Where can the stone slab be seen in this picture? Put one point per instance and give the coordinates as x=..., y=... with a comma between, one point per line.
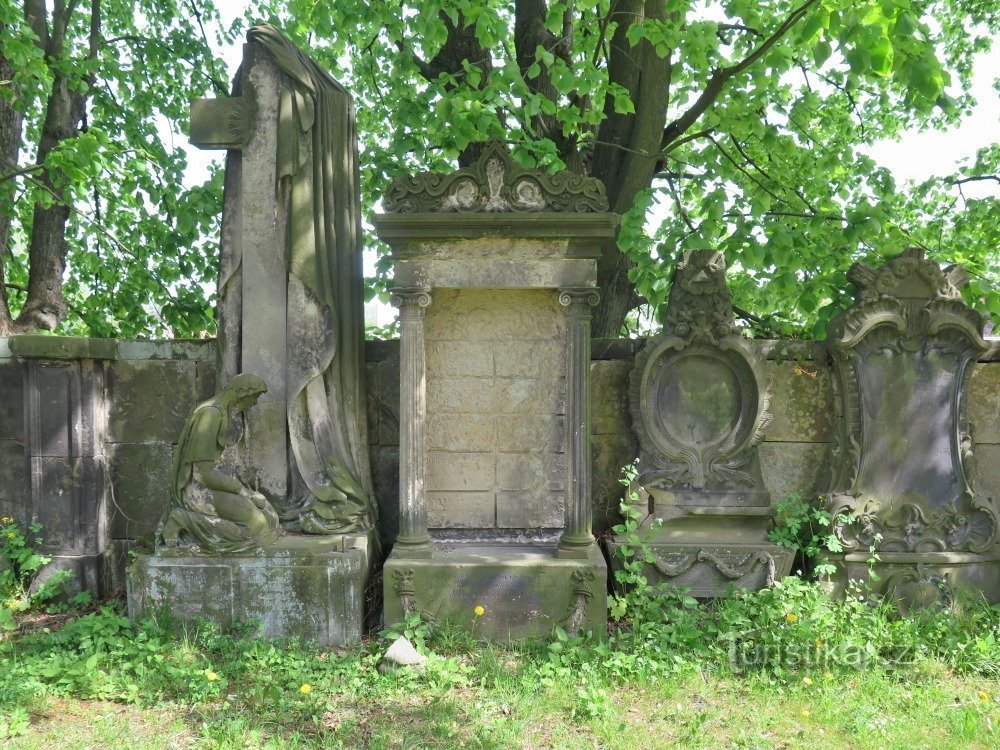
x=530, y=509
x=140, y=480
x=801, y=403
x=15, y=498
x=524, y=590
x=385, y=475
x=462, y=472
x=609, y=388
x=37, y=346
x=11, y=400
x=609, y=453
x=461, y=510
x=150, y=400
x=500, y=273
x=494, y=315
x=314, y=590
x=793, y=467
x=470, y=433
x=521, y=433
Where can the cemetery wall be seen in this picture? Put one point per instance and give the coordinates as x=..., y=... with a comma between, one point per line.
x=88, y=426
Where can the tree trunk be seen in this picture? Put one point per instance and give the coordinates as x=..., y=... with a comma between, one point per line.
x=11, y=122
x=64, y=114
x=628, y=149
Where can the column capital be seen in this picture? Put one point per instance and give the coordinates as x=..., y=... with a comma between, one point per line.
x=410, y=298
x=579, y=297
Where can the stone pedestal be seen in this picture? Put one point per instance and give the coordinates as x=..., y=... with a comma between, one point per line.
x=305, y=587
x=496, y=269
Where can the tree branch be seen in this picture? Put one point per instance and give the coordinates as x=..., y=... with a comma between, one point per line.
x=721, y=76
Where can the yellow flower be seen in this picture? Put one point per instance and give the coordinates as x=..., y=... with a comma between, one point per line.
x=819, y=643
x=828, y=675
x=805, y=712
x=211, y=676
x=306, y=688
x=791, y=617
x=479, y=610
x=807, y=680
x=11, y=534
x=7, y=519
x=983, y=695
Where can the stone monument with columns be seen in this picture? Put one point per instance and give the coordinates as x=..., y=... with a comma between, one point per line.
x=495, y=273
x=290, y=313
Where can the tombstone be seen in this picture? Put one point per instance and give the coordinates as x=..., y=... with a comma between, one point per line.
x=699, y=407
x=291, y=313
x=495, y=272
x=902, y=464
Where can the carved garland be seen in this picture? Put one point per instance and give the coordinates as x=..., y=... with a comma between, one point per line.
x=731, y=566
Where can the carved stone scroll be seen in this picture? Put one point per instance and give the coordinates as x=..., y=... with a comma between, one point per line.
x=495, y=184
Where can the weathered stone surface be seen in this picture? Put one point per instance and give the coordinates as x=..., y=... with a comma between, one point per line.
x=15, y=498
x=793, y=467
x=205, y=380
x=460, y=359
x=529, y=396
x=402, y=654
x=150, y=400
x=461, y=395
x=387, y=389
x=530, y=509
x=801, y=403
x=531, y=471
x=609, y=401
x=460, y=471
x=35, y=346
x=460, y=432
x=543, y=359
x=984, y=403
x=140, y=483
x=988, y=466
x=491, y=314
x=69, y=500
x=519, y=433
x=461, y=510
x=524, y=591
x=314, y=591
x=11, y=400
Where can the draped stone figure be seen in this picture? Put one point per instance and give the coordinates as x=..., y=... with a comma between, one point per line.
x=320, y=482
x=210, y=509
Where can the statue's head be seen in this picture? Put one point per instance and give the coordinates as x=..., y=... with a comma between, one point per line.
x=243, y=390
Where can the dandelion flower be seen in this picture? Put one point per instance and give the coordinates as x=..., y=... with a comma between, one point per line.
x=211, y=676
x=805, y=712
x=791, y=617
x=479, y=610
x=306, y=688
x=828, y=675
x=819, y=643
x=807, y=680
x=983, y=695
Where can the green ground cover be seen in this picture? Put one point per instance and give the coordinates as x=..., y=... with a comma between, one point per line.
x=784, y=667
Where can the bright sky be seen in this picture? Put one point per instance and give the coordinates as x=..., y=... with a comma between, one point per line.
x=915, y=156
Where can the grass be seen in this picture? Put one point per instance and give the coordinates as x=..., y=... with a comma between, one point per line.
x=98, y=681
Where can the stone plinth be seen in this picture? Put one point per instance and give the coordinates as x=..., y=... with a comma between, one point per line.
x=525, y=590
x=495, y=493
x=307, y=587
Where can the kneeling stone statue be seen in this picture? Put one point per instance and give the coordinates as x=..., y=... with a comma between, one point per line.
x=210, y=510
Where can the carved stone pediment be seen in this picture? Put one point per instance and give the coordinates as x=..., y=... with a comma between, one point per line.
x=699, y=396
x=495, y=184
x=902, y=461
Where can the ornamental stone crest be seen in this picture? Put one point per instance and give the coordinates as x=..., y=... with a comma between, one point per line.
x=902, y=462
x=495, y=184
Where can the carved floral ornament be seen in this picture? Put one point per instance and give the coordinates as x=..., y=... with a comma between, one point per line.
x=495, y=184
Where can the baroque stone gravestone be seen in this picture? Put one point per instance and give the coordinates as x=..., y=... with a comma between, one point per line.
x=290, y=312
x=902, y=468
x=699, y=408
x=495, y=272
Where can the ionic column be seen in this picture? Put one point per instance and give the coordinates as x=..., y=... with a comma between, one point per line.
x=577, y=535
x=413, y=539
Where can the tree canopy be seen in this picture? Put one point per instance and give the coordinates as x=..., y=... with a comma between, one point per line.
x=736, y=125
